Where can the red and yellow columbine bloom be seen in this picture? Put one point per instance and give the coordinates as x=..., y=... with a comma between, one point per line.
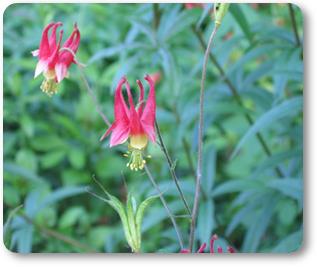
x=54, y=59
x=134, y=123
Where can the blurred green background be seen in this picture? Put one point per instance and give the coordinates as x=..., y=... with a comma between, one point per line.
x=253, y=201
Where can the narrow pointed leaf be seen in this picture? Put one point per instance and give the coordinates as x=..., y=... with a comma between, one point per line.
x=287, y=108
x=141, y=210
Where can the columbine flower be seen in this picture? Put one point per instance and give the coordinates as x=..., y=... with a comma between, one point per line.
x=135, y=123
x=55, y=60
x=212, y=249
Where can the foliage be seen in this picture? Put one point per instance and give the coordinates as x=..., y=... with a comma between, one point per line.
x=251, y=198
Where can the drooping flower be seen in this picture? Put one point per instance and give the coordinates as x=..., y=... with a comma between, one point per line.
x=134, y=123
x=55, y=60
x=212, y=249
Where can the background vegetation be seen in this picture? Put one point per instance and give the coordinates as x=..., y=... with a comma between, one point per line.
x=252, y=197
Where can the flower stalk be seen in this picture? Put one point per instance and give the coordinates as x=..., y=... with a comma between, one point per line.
x=171, y=167
x=219, y=16
x=235, y=95
x=171, y=216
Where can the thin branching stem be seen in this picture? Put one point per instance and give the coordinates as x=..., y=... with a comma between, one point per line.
x=171, y=216
x=236, y=96
x=57, y=235
x=200, y=141
x=87, y=86
x=171, y=167
x=92, y=95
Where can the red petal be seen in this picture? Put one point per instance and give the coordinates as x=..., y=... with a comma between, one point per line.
x=54, y=57
x=120, y=107
x=72, y=43
x=120, y=134
x=52, y=39
x=110, y=129
x=120, y=128
x=141, y=98
x=202, y=248
x=130, y=98
x=212, y=241
x=135, y=125
x=61, y=71
x=231, y=250
x=40, y=67
x=44, y=50
x=148, y=115
x=185, y=251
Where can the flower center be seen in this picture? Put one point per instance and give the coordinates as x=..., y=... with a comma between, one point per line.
x=49, y=85
x=136, y=161
x=138, y=141
x=136, y=152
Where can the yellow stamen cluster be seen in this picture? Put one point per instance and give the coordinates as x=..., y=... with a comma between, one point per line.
x=49, y=85
x=136, y=161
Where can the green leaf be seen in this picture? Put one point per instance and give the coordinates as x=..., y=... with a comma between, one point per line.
x=292, y=187
x=24, y=238
x=52, y=159
x=274, y=160
x=236, y=186
x=259, y=224
x=141, y=210
x=252, y=54
x=46, y=143
x=206, y=221
x=174, y=22
x=285, y=109
x=97, y=236
x=119, y=208
x=241, y=19
x=287, y=211
x=135, y=236
x=249, y=206
x=27, y=159
x=71, y=216
x=77, y=158
x=22, y=172
x=61, y=194
x=209, y=171
x=291, y=243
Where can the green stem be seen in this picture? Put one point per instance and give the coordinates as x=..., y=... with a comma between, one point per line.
x=92, y=95
x=57, y=235
x=178, y=233
x=87, y=86
x=236, y=96
x=171, y=167
x=200, y=141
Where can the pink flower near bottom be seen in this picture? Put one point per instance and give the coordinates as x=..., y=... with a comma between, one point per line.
x=212, y=248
